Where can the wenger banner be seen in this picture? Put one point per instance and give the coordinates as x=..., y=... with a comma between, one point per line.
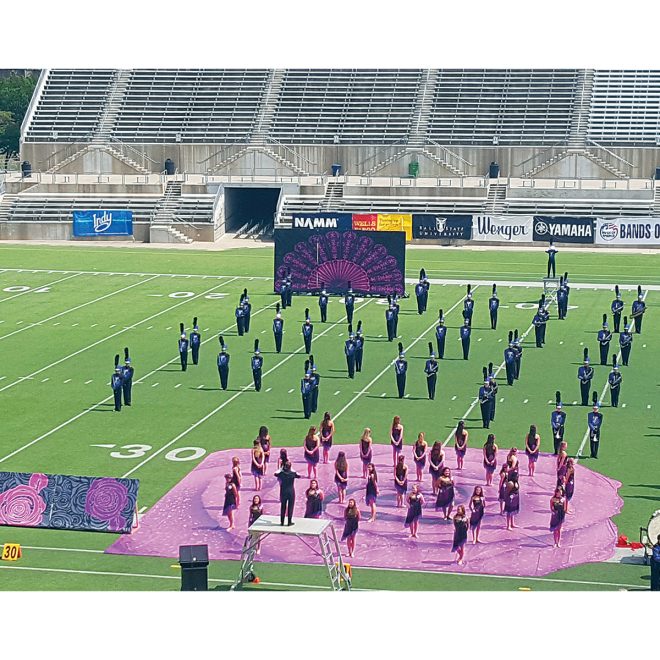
x=510, y=229
x=628, y=231
x=563, y=229
x=57, y=501
x=442, y=226
x=103, y=223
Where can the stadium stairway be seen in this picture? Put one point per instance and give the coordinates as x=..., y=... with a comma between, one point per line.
x=333, y=191
x=112, y=106
x=175, y=236
x=422, y=110
x=496, y=198
x=581, y=109
x=264, y=119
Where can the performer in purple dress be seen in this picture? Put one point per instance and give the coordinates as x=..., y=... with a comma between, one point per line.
x=460, y=444
x=419, y=455
x=400, y=480
x=490, y=458
x=366, y=452
x=501, y=488
x=341, y=476
x=265, y=441
x=236, y=477
x=396, y=439
x=569, y=482
x=312, y=447
x=445, y=500
x=352, y=518
x=477, y=508
x=282, y=458
x=415, y=504
x=532, y=448
x=512, y=503
x=460, y=533
x=562, y=458
x=314, y=500
x=436, y=464
x=372, y=490
x=513, y=464
x=256, y=511
x=257, y=464
x=558, y=507
x=327, y=433
x=231, y=496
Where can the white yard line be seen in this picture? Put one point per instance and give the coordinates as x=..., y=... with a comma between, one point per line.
x=73, y=309
x=108, y=398
x=107, y=272
x=243, y=389
x=119, y=332
x=389, y=366
x=602, y=394
x=550, y=300
x=41, y=286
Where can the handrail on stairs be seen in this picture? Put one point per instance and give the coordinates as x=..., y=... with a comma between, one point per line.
x=561, y=143
x=295, y=154
x=611, y=153
x=449, y=151
x=377, y=154
x=111, y=139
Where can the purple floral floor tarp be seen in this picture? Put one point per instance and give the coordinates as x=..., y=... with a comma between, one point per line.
x=191, y=513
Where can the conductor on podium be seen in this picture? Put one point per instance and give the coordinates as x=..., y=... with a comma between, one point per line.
x=287, y=478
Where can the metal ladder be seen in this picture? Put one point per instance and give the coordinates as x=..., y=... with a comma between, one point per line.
x=247, y=560
x=336, y=568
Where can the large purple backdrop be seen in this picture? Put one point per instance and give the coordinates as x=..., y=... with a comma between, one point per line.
x=98, y=504
x=374, y=262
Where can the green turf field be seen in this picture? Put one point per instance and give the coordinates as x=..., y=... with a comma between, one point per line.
x=66, y=311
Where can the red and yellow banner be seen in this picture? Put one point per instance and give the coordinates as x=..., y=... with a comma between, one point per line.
x=365, y=221
x=395, y=222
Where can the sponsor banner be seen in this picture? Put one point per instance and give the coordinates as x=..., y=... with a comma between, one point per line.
x=374, y=262
x=510, y=229
x=628, y=231
x=395, y=222
x=442, y=226
x=365, y=221
x=341, y=221
x=563, y=229
x=103, y=223
x=58, y=501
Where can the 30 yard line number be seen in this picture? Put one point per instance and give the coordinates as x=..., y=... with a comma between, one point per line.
x=138, y=450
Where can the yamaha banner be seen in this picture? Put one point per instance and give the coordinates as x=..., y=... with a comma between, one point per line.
x=563, y=229
x=340, y=221
x=103, y=223
x=442, y=226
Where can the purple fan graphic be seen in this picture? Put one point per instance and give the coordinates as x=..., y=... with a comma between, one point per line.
x=334, y=259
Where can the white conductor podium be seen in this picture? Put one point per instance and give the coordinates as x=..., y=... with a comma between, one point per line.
x=305, y=529
x=550, y=284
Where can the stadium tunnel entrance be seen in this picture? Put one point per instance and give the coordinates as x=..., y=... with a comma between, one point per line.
x=250, y=212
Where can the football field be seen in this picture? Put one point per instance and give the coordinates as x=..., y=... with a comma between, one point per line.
x=66, y=311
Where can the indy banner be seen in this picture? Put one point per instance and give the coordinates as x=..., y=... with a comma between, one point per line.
x=427, y=226
x=628, y=231
x=103, y=223
x=341, y=221
x=58, y=501
x=563, y=229
x=507, y=229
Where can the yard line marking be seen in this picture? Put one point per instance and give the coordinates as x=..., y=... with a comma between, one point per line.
x=43, y=436
x=602, y=394
x=73, y=309
x=142, y=509
x=45, y=379
x=217, y=409
x=549, y=301
x=87, y=382
x=389, y=365
x=22, y=293
x=172, y=275
x=68, y=380
x=119, y=332
x=3, y=377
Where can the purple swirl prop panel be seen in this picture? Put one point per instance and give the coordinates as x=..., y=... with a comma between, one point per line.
x=58, y=501
x=374, y=262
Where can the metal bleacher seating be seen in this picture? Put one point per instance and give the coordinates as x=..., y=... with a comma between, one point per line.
x=359, y=106
x=190, y=105
x=625, y=108
x=70, y=106
x=516, y=106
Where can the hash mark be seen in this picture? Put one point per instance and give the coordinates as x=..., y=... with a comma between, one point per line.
x=502, y=400
x=269, y=389
x=291, y=390
x=382, y=396
x=68, y=380
x=337, y=392
x=155, y=385
x=87, y=382
x=45, y=379
x=177, y=385
x=526, y=400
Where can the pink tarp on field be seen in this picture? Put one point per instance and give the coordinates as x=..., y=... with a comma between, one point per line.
x=191, y=513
